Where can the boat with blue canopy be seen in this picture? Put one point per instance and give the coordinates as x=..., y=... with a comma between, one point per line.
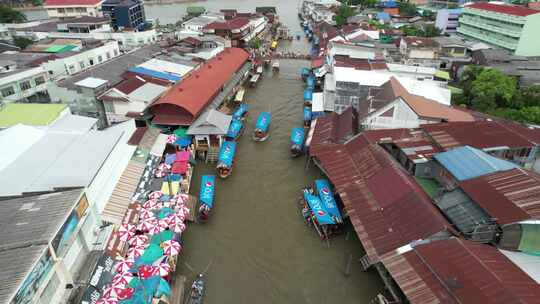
x=310, y=82
x=304, y=73
x=206, y=195
x=315, y=214
x=241, y=111
x=236, y=129
x=262, y=126
x=308, y=97
x=226, y=158
x=297, y=141
x=323, y=189
x=307, y=116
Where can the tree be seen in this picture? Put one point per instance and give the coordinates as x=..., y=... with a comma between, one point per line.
x=22, y=42
x=344, y=12
x=530, y=96
x=9, y=15
x=430, y=30
x=37, y=2
x=407, y=9
x=470, y=74
x=255, y=43
x=492, y=89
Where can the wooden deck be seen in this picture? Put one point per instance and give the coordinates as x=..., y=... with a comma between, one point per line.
x=192, y=205
x=178, y=288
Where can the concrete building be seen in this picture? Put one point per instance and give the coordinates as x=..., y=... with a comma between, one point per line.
x=419, y=51
x=447, y=20
x=195, y=25
x=22, y=83
x=125, y=13
x=73, y=8
x=514, y=28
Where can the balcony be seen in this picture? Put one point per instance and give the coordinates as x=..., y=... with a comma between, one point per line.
x=466, y=30
x=481, y=25
x=495, y=16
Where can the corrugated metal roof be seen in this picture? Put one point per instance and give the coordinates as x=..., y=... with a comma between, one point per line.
x=508, y=196
x=157, y=74
x=159, y=145
x=210, y=122
x=333, y=128
x=467, y=162
x=504, y=9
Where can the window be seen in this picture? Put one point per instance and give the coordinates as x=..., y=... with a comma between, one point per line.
x=81, y=64
x=71, y=69
x=61, y=10
x=100, y=58
x=108, y=55
x=40, y=80
x=91, y=61
x=69, y=10
x=25, y=85
x=7, y=91
x=81, y=9
x=115, y=52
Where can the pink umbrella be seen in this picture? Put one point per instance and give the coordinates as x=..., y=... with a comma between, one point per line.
x=126, y=231
x=171, y=247
x=159, y=173
x=126, y=293
x=156, y=229
x=184, y=209
x=138, y=240
x=175, y=219
x=122, y=278
x=150, y=204
x=162, y=269
x=164, y=167
x=107, y=300
x=146, y=214
x=182, y=198
x=124, y=265
x=145, y=271
x=155, y=195
x=179, y=228
x=111, y=291
x=135, y=252
x=171, y=139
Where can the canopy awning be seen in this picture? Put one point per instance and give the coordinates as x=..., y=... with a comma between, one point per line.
x=159, y=145
x=208, y=186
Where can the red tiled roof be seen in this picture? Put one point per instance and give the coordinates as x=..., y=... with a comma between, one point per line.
x=384, y=217
x=71, y=2
x=503, y=9
x=509, y=196
x=129, y=85
x=189, y=97
x=471, y=273
x=232, y=24
x=477, y=134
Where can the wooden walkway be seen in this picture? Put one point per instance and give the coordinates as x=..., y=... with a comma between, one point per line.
x=192, y=205
x=178, y=289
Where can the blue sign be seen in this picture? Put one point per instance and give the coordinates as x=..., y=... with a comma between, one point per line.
x=240, y=111
x=297, y=136
x=307, y=114
x=234, y=129
x=263, y=121
x=318, y=210
x=308, y=94
x=208, y=187
x=226, y=153
x=327, y=197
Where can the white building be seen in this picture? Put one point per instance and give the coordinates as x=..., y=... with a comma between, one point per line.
x=73, y=8
x=195, y=25
x=22, y=84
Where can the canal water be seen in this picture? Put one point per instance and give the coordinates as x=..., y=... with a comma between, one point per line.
x=256, y=243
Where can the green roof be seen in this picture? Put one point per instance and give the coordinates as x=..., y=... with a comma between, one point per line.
x=60, y=48
x=430, y=186
x=34, y=114
x=530, y=239
x=442, y=74
x=195, y=9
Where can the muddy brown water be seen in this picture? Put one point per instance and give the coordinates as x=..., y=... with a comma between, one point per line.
x=259, y=248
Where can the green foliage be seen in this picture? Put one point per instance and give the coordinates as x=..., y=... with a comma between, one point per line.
x=22, y=42
x=429, y=30
x=492, y=89
x=37, y=2
x=362, y=3
x=255, y=43
x=9, y=15
x=407, y=9
x=344, y=12
x=452, y=5
x=378, y=25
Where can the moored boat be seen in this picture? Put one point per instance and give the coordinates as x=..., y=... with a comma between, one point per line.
x=262, y=126
x=239, y=97
x=304, y=73
x=297, y=141
x=323, y=189
x=315, y=214
x=308, y=97
x=254, y=79
x=259, y=70
x=226, y=159
x=206, y=196
x=241, y=111
x=310, y=81
x=274, y=45
x=236, y=129
x=196, y=293
x=307, y=116
x=275, y=66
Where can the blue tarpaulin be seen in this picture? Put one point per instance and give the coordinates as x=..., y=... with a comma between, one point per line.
x=310, y=82
x=208, y=187
x=240, y=111
x=316, y=207
x=147, y=289
x=307, y=114
x=226, y=153
x=384, y=16
x=308, y=95
x=322, y=186
x=156, y=74
x=183, y=141
x=234, y=129
x=297, y=136
x=263, y=121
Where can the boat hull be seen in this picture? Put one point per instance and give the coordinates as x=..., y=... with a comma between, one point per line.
x=224, y=172
x=295, y=152
x=257, y=137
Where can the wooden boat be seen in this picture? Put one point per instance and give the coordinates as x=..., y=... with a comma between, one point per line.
x=241, y=111
x=196, y=293
x=259, y=70
x=267, y=63
x=297, y=141
x=239, y=95
x=226, y=159
x=275, y=66
x=254, y=79
x=236, y=129
x=308, y=97
x=315, y=214
x=262, y=126
x=307, y=116
x=206, y=196
x=323, y=189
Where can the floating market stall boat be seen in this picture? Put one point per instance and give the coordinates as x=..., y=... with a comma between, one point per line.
x=307, y=117
x=275, y=66
x=239, y=97
x=241, y=111
x=304, y=73
x=254, y=79
x=315, y=214
x=323, y=189
x=196, y=292
x=297, y=141
x=206, y=196
x=226, y=158
x=310, y=81
x=308, y=97
x=236, y=128
x=262, y=126
x=259, y=70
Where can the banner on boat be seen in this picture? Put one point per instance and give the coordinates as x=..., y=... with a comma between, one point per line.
x=297, y=136
x=240, y=111
x=307, y=114
x=208, y=186
x=263, y=121
x=234, y=129
x=327, y=197
x=323, y=218
x=308, y=95
x=310, y=82
x=226, y=153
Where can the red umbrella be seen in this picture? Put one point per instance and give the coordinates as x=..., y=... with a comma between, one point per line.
x=126, y=231
x=179, y=228
x=175, y=219
x=135, y=252
x=138, y=240
x=155, y=195
x=182, y=198
x=111, y=291
x=164, y=167
x=146, y=271
x=183, y=209
x=150, y=204
x=146, y=214
x=156, y=229
x=124, y=265
x=122, y=278
x=126, y=293
x=171, y=247
x=171, y=139
x=162, y=269
x=107, y=300
x=147, y=224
